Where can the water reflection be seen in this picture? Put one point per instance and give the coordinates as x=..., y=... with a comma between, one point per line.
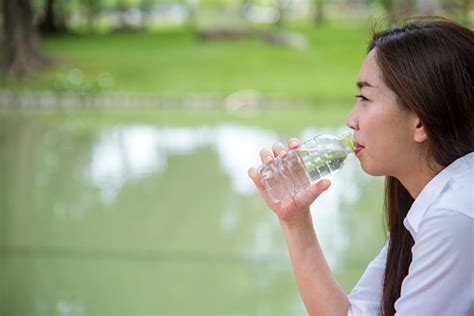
x=65, y=308
x=127, y=153
x=137, y=219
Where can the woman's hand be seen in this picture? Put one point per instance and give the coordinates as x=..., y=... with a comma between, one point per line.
x=296, y=206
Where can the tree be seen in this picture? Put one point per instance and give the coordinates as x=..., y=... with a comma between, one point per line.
x=92, y=10
x=53, y=20
x=145, y=7
x=319, y=12
x=282, y=6
x=22, y=56
x=122, y=10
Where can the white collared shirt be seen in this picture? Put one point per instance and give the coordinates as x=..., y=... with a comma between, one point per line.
x=440, y=278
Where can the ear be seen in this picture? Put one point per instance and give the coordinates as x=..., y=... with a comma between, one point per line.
x=419, y=132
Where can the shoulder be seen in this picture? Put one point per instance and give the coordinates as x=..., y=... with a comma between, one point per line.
x=453, y=211
x=446, y=233
x=448, y=224
x=444, y=221
x=458, y=195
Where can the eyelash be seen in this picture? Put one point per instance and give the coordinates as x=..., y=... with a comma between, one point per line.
x=361, y=97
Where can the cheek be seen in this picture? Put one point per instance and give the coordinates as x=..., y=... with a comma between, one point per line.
x=383, y=142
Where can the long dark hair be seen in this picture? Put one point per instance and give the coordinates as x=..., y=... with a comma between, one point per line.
x=429, y=64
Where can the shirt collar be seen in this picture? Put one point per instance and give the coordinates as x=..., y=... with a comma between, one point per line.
x=432, y=191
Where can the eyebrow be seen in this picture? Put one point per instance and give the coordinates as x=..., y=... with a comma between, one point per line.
x=361, y=84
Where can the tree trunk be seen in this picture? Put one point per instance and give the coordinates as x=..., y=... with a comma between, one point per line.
x=122, y=11
x=92, y=9
x=146, y=6
x=47, y=24
x=281, y=7
x=22, y=56
x=319, y=12
x=53, y=20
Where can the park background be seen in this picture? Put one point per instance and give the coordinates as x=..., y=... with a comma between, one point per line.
x=126, y=131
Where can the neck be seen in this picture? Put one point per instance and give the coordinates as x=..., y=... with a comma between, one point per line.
x=417, y=179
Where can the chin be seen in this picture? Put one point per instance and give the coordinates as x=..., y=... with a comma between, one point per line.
x=372, y=170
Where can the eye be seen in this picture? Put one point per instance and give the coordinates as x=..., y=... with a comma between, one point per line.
x=361, y=97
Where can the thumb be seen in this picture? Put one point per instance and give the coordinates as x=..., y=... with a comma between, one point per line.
x=320, y=186
x=307, y=196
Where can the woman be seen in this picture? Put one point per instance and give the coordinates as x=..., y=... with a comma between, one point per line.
x=414, y=123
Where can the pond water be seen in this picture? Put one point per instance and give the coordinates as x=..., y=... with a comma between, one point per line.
x=141, y=219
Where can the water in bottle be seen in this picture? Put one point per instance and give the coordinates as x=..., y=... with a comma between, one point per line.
x=313, y=160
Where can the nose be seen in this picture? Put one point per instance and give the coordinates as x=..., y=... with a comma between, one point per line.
x=353, y=119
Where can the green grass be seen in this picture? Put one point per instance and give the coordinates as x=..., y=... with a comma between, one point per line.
x=288, y=121
x=175, y=62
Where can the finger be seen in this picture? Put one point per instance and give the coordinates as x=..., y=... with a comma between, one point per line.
x=307, y=196
x=256, y=178
x=279, y=150
x=266, y=155
x=293, y=143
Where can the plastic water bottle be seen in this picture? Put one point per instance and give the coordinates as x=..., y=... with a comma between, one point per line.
x=313, y=160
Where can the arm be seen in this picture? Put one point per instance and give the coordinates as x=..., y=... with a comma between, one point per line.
x=321, y=293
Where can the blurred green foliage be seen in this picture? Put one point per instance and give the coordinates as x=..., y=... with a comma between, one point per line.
x=75, y=81
x=100, y=51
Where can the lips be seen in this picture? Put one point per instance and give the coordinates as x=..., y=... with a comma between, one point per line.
x=357, y=147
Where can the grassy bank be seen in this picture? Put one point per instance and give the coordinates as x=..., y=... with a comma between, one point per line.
x=176, y=62
x=286, y=121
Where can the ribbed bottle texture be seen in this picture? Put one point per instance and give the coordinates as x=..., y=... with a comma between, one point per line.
x=313, y=160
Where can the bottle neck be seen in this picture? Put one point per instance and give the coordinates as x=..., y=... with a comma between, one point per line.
x=347, y=141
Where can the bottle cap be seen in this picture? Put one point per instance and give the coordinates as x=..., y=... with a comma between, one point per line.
x=348, y=138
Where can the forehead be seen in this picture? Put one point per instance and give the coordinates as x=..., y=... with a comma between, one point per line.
x=370, y=71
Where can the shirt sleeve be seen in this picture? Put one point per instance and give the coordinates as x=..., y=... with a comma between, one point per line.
x=366, y=295
x=440, y=279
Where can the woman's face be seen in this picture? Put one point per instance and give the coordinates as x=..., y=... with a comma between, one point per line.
x=383, y=130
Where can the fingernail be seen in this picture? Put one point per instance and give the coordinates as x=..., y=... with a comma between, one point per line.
x=293, y=144
x=268, y=158
x=282, y=153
